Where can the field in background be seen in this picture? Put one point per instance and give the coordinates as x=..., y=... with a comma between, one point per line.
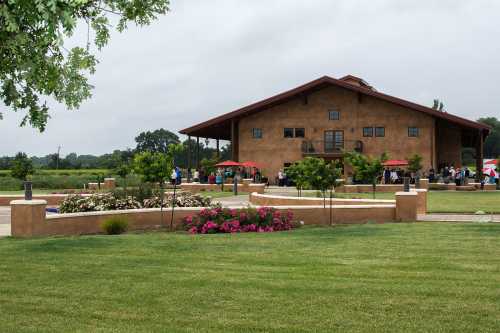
x=365, y=278
x=61, y=179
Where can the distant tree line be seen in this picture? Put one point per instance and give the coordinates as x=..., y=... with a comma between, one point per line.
x=152, y=141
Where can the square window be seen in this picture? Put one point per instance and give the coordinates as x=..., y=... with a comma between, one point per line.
x=300, y=132
x=380, y=131
x=334, y=115
x=288, y=132
x=367, y=131
x=257, y=133
x=413, y=132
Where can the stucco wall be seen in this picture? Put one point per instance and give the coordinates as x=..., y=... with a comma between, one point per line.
x=273, y=150
x=28, y=218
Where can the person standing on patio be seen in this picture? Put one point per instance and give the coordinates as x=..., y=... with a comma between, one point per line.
x=281, y=178
x=387, y=176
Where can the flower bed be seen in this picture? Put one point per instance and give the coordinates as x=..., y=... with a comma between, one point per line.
x=96, y=202
x=109, y=201
x=182, y=199
x=219, y=220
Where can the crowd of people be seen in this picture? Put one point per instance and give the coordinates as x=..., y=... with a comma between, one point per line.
x=217, y=177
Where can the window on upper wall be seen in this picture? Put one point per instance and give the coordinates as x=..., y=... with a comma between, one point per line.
x=380, y=131
x=413, y=132
x=334, y=115
x=257, y=133
x=300, y=132
x=367, y=131
x=288, y=132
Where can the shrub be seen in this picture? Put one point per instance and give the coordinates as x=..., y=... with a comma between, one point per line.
x=115, y=225
x=182, y=199
x=96, y=202
x=226, y=220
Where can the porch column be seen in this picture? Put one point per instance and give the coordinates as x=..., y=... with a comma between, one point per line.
x=218, y=150
x=479, y=155
x=197, y=152
x=189, y=160
x=234, y=141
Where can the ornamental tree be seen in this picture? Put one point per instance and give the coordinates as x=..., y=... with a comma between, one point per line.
x=35, y=64
x=21, y=166
x=366, y=168
x=415, y=163
x=155, y=167
x=296, y=173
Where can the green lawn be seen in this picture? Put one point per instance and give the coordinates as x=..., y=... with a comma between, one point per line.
x=447, y=202
x=369, y=278
x=35, y=192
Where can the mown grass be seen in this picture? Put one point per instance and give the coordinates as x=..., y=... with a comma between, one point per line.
x=447, y=201
x=370, y=278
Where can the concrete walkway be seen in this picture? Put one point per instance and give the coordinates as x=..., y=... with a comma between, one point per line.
x=4, y=221
x=459, y=218
x=239, y=200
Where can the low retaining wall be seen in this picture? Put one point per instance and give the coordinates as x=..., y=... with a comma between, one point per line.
x=108, y=184
x=382, y=188
x=28, y=218
x=245, y=187
x=52, y=199
x=277, y=200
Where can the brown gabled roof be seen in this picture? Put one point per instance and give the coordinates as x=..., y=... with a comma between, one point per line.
x=219, y=127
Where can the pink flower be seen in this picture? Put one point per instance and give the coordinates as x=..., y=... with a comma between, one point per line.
x=193, y=230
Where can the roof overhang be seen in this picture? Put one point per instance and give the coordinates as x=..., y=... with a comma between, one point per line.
x=220, y=127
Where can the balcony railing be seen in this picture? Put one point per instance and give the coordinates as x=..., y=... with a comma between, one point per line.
x=321, y=147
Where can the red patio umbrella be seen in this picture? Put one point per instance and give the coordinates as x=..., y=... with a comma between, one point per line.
x=394, y=163
x=251, y=164
x=228, y=164
x=490, y=172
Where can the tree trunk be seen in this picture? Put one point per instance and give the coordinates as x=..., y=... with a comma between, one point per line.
x=125, y=185
x=331, y=208
x=162, y=195
x=173, y=207
x=324, y=199
x=374, y=188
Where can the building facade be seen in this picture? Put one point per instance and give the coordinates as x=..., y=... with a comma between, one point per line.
x=326, y=117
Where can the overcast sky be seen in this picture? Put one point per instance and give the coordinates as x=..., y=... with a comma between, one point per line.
x=205, y=58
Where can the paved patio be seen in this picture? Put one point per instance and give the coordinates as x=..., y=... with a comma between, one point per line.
x=4, y=221
x=459, y=218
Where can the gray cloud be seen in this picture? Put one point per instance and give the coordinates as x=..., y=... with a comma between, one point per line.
x=205, y=58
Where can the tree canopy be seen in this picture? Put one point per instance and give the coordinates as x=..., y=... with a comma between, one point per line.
x=35, y=64
x=21, y=166
x=492, y=143
x=156, y=141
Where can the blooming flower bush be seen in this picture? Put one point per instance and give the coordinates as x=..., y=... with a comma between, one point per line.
x=226, y=220
x=97, y=202
x=182, y=199
x=109, y=201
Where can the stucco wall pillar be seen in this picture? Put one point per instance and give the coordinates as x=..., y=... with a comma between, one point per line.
x=406, y=206
x=27, y=217
x=421, y=201
x=109, y=183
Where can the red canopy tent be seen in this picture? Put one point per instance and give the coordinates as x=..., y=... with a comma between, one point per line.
x=488, y=162
x=228, y=164
x=251, y=164
x=394, y=163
